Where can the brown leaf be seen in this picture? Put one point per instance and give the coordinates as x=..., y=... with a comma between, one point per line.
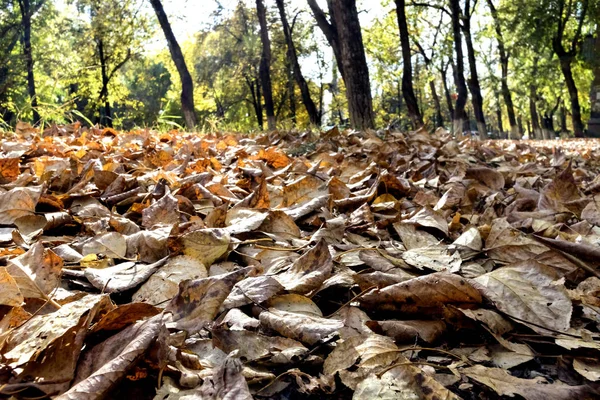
x=531, y=389
x=199, y=300
x=18, y=202
x=9, y=170
x=37, y=272
x=304, y=328
x=489, y=177
x=10, y=295
x=408, y=331
x=48, y=346
x=527, y=291
x=205, y=245
x=165, y=211
x=108, y=362
x=123, y=276
x=429, y=291
x=309, y=271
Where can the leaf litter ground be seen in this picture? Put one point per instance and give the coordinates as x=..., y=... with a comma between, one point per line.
x=293, y=265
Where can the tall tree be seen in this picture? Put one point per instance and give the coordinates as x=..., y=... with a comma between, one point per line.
x=473, y=81
x=265, y=64
x=187, y=85
x=408, y=91
x=504, y=57
x=311, y=108
x=594, y=122
x=458, y=117
x=566, y=55
x=26, y=14
x=344, y=35
x=443, y=74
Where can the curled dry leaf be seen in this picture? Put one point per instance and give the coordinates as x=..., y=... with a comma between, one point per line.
x=10, y=295
x=122, y=277
x=429, y=291
x=505, y=384
x=48, y=346
x=108, y=362
x=257, y=289
x=18, y=202
x=408, y=331
x=199, y=300
x=304, y=328
x=36, y=272
x=309, y=271
x=253, y=346
x=402, y=382
x=489, y=177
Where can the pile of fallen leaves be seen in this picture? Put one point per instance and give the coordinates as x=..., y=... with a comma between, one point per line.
x=341, y=265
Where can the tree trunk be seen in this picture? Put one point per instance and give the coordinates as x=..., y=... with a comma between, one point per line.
x=26, y=13
x=520, y=125
x=443, y=71
x=187, y=85
x=506, y=95
x=407, y=81
x=563, y=118
x=458, y=118
x=566, y=58
x=594, y=121
x=345, y=38
x=265, y=64
x=254, y=86
x=565, y=66
x=313, y=114
x=535, y=120
x=291, y=91
x=105, y=115
x=439, y=119
x=473, y=82
x=499, y=115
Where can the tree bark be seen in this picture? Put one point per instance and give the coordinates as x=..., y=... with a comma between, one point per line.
x=473, y=82
x=535, y=120
x=458, y=117
x=565, y=66
x=265, y=65
x=506, y=94
x=313, y=114
x=106, y=117
x=408, y=92
x=563, y=118
x=254, y=86
x=499, y=114
x=443, y=72
x=26, y=14
x=291, y=91
x=566, y=58
x=344, y=36
x=439, y=119
x=329, y=30
x=187, y=85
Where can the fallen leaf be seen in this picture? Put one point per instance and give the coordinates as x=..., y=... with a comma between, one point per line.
x=527, y=291
x=18, y=202
x=531, y=389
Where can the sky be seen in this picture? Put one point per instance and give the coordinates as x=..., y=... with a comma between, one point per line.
x=189, y=16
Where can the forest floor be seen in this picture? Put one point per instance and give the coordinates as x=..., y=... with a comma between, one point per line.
x=293, y=265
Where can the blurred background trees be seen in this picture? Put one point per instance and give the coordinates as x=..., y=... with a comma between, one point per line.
x=496, y=67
